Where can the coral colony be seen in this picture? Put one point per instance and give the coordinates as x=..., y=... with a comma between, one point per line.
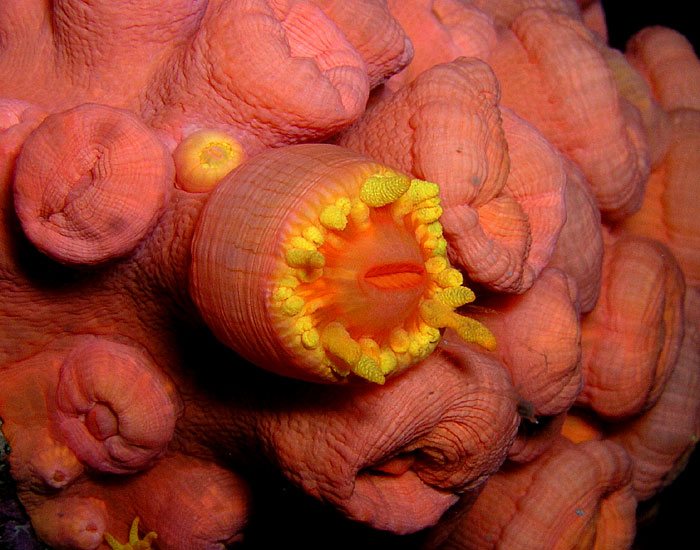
x=433, y=263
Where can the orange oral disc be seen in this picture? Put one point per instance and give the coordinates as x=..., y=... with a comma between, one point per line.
x=356, y=304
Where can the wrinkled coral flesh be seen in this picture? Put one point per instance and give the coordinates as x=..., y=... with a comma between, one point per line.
x=363, y=272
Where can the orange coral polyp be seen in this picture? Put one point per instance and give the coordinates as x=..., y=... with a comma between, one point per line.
x=361, y=281
x=358, y=300
x=352, y=276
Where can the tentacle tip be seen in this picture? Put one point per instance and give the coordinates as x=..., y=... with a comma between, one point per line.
x=370, y=370
x=490, y=345
x=478, y=334
x=382, y=189
x=439, y=313
x=203, y=159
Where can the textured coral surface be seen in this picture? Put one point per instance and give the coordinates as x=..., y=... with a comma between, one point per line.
x=418, y=273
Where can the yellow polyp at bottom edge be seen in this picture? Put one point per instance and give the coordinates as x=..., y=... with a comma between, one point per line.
x=134, y=542
x=455, y=296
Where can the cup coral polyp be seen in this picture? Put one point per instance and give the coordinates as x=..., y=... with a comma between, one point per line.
x=316, y=262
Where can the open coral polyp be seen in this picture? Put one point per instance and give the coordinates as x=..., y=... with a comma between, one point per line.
x=314, y=262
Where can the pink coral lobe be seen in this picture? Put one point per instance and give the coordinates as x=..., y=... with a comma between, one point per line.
x=89, y=183
x=114, y=408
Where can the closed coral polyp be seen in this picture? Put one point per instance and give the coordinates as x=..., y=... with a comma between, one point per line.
x=75, y=523
x=89, y=184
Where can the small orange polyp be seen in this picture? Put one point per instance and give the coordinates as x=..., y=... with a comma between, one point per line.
x=203, y=158
x=580, y=426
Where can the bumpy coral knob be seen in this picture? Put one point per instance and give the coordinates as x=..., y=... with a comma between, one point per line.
x=572, y=496
x=71, y=523
x=89, y=183
x=496, y=172
x=39, y=461
x=116, y=411
x=641, y=308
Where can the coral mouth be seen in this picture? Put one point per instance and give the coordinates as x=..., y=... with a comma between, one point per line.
x=402, y=275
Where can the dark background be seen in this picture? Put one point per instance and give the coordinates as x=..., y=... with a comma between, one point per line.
x=624, y=18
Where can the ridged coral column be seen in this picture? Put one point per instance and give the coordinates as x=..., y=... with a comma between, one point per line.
x=115, y=409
